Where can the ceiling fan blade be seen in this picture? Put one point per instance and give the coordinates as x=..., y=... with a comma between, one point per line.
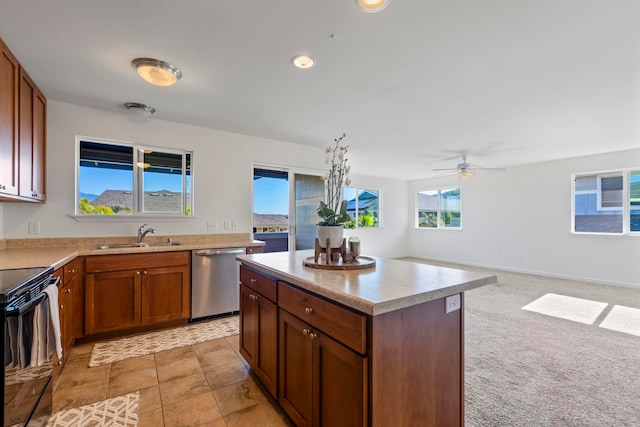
x=445, y=169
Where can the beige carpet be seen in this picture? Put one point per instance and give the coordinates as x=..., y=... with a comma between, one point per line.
x=119, y=411
x=140, y=345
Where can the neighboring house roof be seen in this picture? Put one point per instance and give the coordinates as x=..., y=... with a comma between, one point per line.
x=270, y=220
x=365, y=200
x=154, y=201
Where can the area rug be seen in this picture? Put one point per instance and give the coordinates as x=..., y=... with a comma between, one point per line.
x=120, y=411
x=153, y=342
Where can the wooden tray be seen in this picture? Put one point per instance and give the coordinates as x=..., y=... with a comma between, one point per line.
x=361, y=263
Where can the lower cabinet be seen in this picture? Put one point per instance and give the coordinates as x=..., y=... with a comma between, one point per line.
x=322, y=382
x=70, y=304
x=259, y=336
x=309, y=353
x=125, y=291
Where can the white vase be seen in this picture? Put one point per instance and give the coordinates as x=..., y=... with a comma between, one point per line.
x=332, y=232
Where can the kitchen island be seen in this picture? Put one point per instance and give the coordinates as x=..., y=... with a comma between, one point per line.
x=373, y=347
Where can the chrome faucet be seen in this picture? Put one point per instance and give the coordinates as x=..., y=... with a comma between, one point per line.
x=142, y=232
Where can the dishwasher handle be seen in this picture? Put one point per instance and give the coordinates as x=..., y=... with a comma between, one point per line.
x=213, y=252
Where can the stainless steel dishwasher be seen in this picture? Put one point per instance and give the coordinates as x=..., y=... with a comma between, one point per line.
x=215, y=278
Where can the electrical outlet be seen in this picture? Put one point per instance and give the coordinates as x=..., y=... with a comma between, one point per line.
x=504, y=255
x=212, y=225
x=227, y=225
x=234, y=225
x=452, y=303
x=34, y=228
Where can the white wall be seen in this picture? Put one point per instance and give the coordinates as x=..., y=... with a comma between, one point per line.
x=526, y=212
x=222, y=177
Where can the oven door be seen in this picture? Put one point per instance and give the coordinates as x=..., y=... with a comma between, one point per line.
x=28, y=389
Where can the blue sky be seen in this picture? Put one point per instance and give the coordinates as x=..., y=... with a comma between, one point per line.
x=271, y=196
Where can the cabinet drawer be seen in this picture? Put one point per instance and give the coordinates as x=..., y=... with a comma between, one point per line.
x=344, y=325
x=254, y=249
x=265, y=285
x=121, y=262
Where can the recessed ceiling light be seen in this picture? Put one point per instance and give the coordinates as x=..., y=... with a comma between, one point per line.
x=303, y=61
x=371, y=6
x=157, y=72
x=141, y=109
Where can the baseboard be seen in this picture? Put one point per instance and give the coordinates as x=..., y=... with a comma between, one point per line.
x=531, y=272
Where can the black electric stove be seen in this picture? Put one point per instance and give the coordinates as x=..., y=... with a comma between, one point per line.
x=25, y=395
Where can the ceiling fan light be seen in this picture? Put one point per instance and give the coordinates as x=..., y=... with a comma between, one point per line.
x=465, y=174
x=372, y=6
x=157, y=72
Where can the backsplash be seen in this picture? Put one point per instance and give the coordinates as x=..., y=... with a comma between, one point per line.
x=58, y=242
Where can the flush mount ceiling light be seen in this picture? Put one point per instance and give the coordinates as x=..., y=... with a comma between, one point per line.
x=303, y=61
x=141, y=109
x=371, y=6
x=157, y=72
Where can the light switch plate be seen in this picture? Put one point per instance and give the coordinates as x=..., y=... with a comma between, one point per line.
x=452, y=303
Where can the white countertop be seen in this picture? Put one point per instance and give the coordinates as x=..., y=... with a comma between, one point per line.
x=391, y=285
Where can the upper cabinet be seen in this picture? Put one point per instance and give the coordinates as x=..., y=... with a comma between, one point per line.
x=23, y=113
x=9, y=160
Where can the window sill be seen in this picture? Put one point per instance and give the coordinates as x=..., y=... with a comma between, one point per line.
x=131, y=218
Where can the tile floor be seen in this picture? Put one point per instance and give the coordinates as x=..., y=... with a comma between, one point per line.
x=206, y=384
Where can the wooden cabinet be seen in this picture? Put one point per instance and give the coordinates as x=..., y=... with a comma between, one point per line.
x=70, y=304
x=259, y=326
x=322, y=381
x=9, y=153
x=125, y=291
x=33, y=113
x=23, y=112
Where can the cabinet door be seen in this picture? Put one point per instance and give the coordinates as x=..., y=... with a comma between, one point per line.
x=296, y=376
x=248, y=325
x=113, y=301
x=65, y=301
x=339, y=384
x=165, y=294
x=9, y=154
x=267, y=360
x=75, y=271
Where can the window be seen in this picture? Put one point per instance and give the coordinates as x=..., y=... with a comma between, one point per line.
x=439, y=208
x=117, y=178
x=363, y=206
x=606, y=202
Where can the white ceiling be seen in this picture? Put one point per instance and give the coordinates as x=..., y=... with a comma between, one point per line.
x=508, y=81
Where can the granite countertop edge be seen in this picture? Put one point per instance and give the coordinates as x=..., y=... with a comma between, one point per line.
x=364, y=305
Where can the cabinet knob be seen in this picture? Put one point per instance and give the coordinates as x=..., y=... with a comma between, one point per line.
x=308, y=310
x=61, y=307
x=145, y=272
x=305, y=332
x=138, y=273
x=313, y=336
x=67, y=290
x=253, y=280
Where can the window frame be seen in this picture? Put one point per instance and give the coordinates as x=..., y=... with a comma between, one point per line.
x=626, y=200
x=188, y=198
x=439, y=191
x=355, y=220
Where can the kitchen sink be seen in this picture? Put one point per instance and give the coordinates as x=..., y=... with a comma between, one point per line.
x=137, y=245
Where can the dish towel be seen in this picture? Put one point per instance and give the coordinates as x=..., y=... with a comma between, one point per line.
x=40, y=334
x=53, y=334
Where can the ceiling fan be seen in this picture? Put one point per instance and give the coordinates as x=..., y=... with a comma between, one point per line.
x=466, y=170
